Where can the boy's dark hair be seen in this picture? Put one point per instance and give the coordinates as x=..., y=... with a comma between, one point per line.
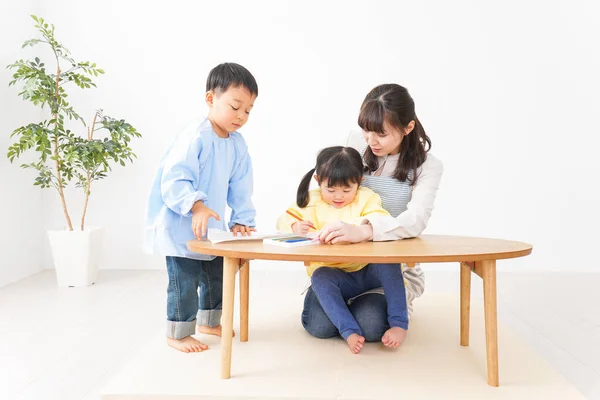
x=339, y=165
x=226, y=75
x=393, y=103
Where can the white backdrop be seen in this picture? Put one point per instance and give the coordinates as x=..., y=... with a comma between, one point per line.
x=21, y=218
x=507, y=91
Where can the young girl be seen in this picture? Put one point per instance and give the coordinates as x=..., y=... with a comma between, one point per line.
x=401, y=170
x=339, y=173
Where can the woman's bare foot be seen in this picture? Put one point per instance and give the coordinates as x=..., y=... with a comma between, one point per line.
x=210, y=330
x=355, y=342
x=187, y=345
x=393, y=337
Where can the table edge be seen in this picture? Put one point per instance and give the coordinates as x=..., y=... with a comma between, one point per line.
x=253, y=255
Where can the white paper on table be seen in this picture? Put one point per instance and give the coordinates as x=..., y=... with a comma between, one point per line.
x=219, y=236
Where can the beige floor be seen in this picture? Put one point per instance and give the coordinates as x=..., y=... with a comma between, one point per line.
x=69, y=344
x=282, y=362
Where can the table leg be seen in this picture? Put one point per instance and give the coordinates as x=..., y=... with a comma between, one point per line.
x=230, y=266
x=488, y=270
x=244, y=300
x=465, y=303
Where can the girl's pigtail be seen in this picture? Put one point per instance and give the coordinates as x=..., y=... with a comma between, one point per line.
x=302, y=195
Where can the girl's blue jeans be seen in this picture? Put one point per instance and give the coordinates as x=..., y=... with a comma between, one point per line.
x=327, y=311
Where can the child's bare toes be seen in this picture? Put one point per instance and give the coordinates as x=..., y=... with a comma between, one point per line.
x=187, y=345
x=394, y=337
x=385, y=339
x=355, y=342
x=200, y=346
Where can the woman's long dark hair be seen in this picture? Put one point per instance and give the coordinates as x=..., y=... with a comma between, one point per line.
x=393, y=104
x=338, y=165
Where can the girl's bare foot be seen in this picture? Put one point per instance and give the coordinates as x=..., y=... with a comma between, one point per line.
x=355, y=342
x=187, y=345
x=393, y=337
x=210, y=330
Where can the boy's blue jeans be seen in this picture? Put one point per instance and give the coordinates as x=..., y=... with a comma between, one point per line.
x=185, y=308
x=334, y=287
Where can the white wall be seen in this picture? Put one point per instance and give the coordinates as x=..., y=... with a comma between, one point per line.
x=22, y=232
x=507, y=92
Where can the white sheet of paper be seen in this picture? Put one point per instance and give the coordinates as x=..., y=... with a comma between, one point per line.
x=218, y=236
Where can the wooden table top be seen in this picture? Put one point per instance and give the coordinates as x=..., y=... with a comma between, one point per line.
x=423, y=249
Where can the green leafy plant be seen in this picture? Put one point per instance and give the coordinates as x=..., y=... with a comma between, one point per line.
x=63, y=155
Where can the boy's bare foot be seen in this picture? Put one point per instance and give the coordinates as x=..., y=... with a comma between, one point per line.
x=355, y=342
x=187, y=344
x=393, y=337
x=210, y=330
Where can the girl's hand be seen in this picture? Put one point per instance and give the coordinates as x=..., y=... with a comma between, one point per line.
x=340, y=232
x=302, y=227
x=200, y=216
x=243, y=229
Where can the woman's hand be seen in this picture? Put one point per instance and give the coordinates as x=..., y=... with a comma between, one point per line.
x=302, y=227
x=242, y=229
x=341, y=232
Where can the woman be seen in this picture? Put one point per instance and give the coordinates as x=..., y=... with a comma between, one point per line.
x=394, y=147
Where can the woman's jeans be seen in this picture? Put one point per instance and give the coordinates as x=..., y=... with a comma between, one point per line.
x=328, y=311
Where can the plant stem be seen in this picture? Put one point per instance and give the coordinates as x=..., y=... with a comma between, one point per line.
x=89, y=182
x=56, y=155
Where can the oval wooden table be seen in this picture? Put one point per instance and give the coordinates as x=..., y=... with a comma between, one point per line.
x=477, y=255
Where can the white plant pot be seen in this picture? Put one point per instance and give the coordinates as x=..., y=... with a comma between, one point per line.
x=75, y=255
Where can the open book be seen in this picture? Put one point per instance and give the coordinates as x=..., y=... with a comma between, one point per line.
x=219, y=236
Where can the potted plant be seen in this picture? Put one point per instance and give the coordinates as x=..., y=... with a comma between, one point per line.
x=62, y=155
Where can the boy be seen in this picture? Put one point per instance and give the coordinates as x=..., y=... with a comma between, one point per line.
x=207, y=167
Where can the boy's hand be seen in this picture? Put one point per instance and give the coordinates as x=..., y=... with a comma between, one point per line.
x=243, y=229
x=200, y=216
x=302, y=227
